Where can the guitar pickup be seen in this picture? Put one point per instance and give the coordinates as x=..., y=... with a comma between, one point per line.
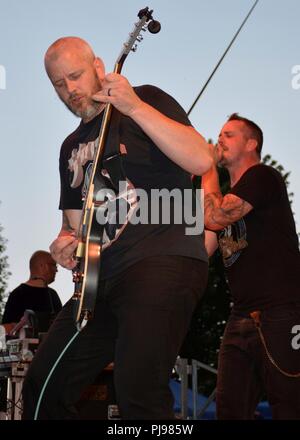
x=80, y=250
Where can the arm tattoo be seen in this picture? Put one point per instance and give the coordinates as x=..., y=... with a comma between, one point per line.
x=221, y=211
x=66, y=226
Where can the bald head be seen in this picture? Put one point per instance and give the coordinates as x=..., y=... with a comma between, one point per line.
x=39, y=257
x=76, y=75
x=42, y=265
x=66, y=45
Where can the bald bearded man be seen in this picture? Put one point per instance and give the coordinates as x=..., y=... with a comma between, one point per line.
x=152, y=275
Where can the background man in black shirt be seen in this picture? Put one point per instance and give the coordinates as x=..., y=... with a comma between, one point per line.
x=260, y=249
x=34, y=294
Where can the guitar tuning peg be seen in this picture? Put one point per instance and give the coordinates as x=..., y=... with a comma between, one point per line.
x=134, y=48
x=139, y=38
x=154, y=26
x=144, y=28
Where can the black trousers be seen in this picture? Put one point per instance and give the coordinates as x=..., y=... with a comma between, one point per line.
x=141, y=318
x=245, y=371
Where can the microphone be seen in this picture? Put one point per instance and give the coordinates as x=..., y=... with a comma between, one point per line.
x=28, y=319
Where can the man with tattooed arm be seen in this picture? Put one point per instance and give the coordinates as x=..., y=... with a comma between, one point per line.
x=254, y=228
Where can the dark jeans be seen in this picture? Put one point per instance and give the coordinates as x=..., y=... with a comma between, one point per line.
x=245, y=372
x=141, y=318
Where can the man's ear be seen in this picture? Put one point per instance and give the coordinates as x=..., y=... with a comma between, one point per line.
x=251, y=145
x=99, y=66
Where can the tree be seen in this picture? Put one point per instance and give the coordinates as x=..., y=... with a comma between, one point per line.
x=4, y=272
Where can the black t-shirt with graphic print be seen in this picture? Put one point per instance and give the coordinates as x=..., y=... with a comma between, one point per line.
x=146, y=168
x=261, y=250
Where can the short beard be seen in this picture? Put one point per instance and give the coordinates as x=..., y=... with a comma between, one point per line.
x=222, y=163
x=92, y=110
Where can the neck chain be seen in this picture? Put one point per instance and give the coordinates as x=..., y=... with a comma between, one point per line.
x=39, y=278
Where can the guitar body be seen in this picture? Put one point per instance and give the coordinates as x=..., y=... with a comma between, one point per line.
x=87, y=272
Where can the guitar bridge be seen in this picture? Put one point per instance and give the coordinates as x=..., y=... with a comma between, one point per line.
x=77, y=277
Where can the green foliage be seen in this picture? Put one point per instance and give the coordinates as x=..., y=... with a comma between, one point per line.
x=4, y=273
x=267, y=160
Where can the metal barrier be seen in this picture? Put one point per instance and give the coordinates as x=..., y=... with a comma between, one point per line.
x=184, y=369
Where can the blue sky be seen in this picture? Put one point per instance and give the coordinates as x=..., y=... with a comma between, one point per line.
x=255, y=80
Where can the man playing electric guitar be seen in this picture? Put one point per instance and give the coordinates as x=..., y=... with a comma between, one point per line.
x=152, y=274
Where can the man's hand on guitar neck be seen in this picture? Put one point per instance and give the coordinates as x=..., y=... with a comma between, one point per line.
x=118, y=91
x=179, y=142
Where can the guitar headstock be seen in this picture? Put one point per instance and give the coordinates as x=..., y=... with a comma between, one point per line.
x=145, y=22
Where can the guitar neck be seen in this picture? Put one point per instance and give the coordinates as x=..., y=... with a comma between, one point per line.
x=99, y=150
x=144, y=18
